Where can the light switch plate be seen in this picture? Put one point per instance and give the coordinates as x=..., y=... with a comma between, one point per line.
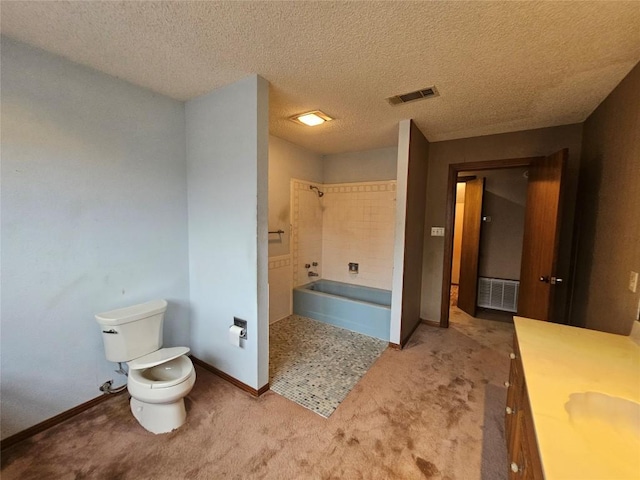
x=437, y=231
x=633, y=281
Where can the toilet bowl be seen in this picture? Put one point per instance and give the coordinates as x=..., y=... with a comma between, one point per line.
x=159, y=378
x=157, y=393
x=158, y=389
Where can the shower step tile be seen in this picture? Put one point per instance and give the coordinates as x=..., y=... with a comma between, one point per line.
x=316, y=365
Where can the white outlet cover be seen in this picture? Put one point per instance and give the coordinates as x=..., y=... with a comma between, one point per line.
x=437, y=231
x=633, y=281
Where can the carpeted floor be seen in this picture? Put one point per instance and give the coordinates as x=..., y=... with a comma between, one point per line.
x=433, y=410
x=316, y=364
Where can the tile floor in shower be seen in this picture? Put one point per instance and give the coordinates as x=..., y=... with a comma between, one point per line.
x=315, y=364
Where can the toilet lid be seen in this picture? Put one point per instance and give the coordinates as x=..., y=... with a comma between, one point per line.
x=156, y=358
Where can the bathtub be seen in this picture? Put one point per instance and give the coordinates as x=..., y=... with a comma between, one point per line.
x=360, y=309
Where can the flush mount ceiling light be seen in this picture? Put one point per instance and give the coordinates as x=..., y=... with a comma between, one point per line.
x=311, y=119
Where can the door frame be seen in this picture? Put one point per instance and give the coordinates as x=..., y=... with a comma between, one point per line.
x=454, y=169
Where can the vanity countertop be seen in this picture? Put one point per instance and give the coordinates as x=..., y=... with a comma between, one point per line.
x=584, y=392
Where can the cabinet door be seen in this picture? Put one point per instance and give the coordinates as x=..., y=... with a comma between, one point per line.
x=515, y=452
x=524, y=460
x=532, y=465
x=511, y=408
x=514, y=392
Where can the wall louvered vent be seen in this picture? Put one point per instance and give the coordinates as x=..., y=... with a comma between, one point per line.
x=412, y=96
x=498, y=294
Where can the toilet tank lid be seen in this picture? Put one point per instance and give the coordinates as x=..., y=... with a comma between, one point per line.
x=131, y=314
x=158, y=357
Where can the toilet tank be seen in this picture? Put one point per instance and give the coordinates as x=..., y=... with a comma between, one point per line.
x=132, y=332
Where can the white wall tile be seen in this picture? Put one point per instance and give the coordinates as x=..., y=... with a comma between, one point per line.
x=352, y=223
x=358, y=226
x=307, y=220
x=280, y=285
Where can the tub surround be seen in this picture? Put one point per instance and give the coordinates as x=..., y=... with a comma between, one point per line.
x=352, y=222
x=280, y=278
x=306, y=223
x=358, y=226
x=580, y=382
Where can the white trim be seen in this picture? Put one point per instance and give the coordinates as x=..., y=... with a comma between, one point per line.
x=401, y=213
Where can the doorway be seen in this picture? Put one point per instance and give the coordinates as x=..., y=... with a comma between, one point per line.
x=487, y=245
x=540, y=237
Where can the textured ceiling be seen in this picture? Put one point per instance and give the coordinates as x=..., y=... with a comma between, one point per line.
x=499, y=66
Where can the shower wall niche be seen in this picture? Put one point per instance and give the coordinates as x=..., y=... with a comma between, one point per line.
x=350, y=223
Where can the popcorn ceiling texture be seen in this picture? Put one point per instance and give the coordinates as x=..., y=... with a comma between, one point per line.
x=499, y=66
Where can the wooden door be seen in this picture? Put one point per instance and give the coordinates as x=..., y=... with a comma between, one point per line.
x=538, y=276
x=469, y=253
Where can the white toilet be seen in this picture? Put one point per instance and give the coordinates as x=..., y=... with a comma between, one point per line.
x=159, y=378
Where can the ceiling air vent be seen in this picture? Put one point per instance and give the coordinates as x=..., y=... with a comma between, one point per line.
x=412, y=96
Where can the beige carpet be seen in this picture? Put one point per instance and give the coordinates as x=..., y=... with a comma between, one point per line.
x=433, y=410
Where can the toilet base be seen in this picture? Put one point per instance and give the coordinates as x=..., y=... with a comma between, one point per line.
x=159, y=417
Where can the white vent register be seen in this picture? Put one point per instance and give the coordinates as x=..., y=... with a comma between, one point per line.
x=498, y=294
x=427, y=92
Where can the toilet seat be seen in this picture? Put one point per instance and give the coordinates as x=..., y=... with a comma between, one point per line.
x=163, y=375
x=156, y=358
x=163, y=368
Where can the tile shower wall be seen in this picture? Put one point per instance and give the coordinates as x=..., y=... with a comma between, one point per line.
x=307, y=230
x=279, y=287
x=352, y=222
x=358, y=226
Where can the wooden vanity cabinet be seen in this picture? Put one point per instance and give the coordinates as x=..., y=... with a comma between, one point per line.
x=522, y=448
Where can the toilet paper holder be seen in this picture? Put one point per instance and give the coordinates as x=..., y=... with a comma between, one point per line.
x=242, y=324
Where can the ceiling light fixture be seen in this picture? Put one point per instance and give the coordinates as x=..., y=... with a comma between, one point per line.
x=311, y=119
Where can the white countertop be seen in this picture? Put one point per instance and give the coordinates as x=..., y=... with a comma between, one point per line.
x=601, y=437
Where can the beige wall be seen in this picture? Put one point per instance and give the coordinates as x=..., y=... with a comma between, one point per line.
x=608, y=227
x=505, y=196
x=500, y=249
x=286, y=161
x=527, y=143
x=362, y=166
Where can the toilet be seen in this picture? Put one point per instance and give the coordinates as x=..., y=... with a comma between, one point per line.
x=159, y=378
